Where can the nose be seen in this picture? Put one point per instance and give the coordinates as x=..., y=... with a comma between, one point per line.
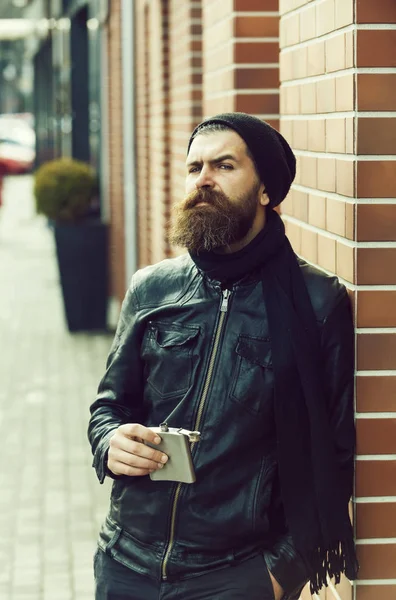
x=204, y=179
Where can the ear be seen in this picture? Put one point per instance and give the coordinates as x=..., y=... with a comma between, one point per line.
x=264, y=199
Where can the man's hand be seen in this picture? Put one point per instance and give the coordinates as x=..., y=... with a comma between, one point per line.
x=128, y=455
x=278, y=591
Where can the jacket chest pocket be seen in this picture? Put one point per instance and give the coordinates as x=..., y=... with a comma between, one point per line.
x=167, y=351
x=253, y=381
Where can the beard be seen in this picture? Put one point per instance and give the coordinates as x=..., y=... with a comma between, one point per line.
x=218, y=223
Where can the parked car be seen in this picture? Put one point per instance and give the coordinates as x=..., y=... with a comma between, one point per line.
x=17, y=144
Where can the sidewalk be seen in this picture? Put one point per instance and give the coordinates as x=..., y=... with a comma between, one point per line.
x=51, y=504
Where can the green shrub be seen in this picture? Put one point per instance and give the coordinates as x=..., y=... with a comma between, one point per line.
x=64, y=189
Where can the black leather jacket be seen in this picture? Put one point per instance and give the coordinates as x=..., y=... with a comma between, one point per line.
x=180, y=340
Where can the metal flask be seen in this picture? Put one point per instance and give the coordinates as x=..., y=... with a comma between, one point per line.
x=176, y=445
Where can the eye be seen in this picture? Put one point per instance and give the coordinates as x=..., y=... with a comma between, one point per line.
x=193, y=170
x=226, y=167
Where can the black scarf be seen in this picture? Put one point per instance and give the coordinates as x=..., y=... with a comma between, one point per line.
x=314, y=494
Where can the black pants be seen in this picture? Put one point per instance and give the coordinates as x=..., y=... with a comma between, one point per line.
x=248, y=580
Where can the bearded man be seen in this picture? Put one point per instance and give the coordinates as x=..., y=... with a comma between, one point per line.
x=246, y=343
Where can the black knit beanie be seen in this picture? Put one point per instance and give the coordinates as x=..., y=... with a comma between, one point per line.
x=273, y=157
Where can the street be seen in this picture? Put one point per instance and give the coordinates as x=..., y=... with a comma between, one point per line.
x=51, y=503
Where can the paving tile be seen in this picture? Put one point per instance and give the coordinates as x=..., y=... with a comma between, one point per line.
x=51, y=504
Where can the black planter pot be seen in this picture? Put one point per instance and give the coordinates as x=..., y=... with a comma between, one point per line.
x=83, y=267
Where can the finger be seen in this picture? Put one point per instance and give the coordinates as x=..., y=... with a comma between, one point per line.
x=132, y=460
x=149, y=453
x=137, y=449
x=119, y=468
x=135, y=430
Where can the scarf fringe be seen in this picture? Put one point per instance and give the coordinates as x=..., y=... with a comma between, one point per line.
x=331, y=562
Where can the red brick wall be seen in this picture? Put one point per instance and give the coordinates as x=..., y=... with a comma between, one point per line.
x=169, y=105
x=158, y=124
x=317, y=104
x=185, y=35
x=115, y=125
x=234, y=46
x=143, y=131
x=241, y=55
x=338, y=107
x=153, y=129
x=375, y=279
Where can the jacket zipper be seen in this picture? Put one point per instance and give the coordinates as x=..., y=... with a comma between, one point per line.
x=219, y=329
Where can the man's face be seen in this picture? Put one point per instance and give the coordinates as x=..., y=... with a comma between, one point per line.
x=224, y=194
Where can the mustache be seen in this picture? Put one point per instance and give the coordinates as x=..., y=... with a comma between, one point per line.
x=212, y=197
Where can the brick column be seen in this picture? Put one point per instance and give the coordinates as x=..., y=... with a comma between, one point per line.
x=152, y=118
x=185, y=42
x=142, y=130
x=317, y=107
x=241, y=53
x=376, y=298
x=115, y=126
x=169, y=105
x=338, y=107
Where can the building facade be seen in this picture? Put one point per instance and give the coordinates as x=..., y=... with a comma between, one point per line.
x=338, y=109
x=324, y=73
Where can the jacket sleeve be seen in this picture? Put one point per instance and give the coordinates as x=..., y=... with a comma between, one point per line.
x=337, y=342
x=120, y=394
